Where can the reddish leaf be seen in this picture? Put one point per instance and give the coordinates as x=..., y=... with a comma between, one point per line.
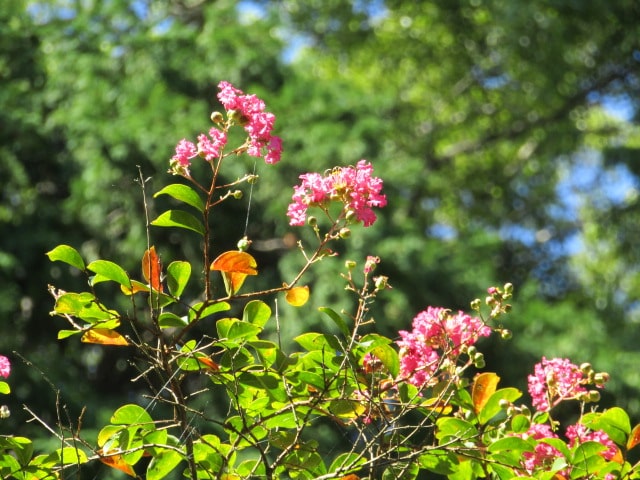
x=206, y=361
x=484, y=385
x=235, y=266
x=115, y=461
x=103, y=336
x=297, y=296
x=152, y=268
x=634, y=437
x=351, y=476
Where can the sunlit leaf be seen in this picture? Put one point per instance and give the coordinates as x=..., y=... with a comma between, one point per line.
x=171, y=320
x=152, y=268
x=131, y=414
x=634, y=437
x=103, y=336
x=116, y=461
x=5, y=388
x=207, y=362
x=162, y=464
x=235, y=266
x=62, y=334
x=178, y=274
x=107, y=270
x=344, y=408
x=66, y=254
x=136, y=287
x=256, y=312
x=337, y=319
x=184, y=193
x=297, y=296
x=180, y=219
x=389, y=358
x=484, y=385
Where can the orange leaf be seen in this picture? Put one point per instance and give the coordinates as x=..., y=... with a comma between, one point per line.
x=104, y=336
x=115, y=461
x=351, y=476
x=297, y=296
x=634, y=437
x=484, y=385
x=151, y=269
x=206, y=361
x=235, y=266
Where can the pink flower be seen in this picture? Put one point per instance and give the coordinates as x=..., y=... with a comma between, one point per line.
x=544, y=454
x=5, y=367
x=578, y=434
x=354, y=187
x=370, y=264
x=257, y=123
x=210, y=148
x=185, y=151
x=553, y=381
x=436, y=332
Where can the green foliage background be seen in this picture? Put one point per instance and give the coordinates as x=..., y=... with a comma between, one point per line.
x=491, y=123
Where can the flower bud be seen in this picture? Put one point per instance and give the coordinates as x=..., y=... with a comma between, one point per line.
x=593, y=396
x=472, y=351
x=478, y=361
x=312, y=221
x=351, y=216
x=344, y=233
x=4, y=412
x=243, y=244
x=381, y=282
x=237, y=194
x=252, y=179
x=508, y=288
x=586, y=368
x=475, y=304
x=350, y=264
x=601, y=378
x=506, y=334
x=237, y=117
x=216, y=117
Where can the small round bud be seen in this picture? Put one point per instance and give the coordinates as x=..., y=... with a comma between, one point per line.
x=350, y=264
x=237, y=117
x=243, y=244
x=4, y=412
x=593, y=396
x=237, y=194
x=506, y=334
x=472, y=351
x=586, y=368
x=217, y=117
x=490, y=301
x=601, y=378
x=478, y=361
x=252, y=179
x=381, y=282
x=475, y=304
x=313, y=221
x=344, y=233
x=351, y=216
x=508, y=288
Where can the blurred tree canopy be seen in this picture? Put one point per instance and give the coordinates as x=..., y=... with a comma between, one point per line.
x=506, y=132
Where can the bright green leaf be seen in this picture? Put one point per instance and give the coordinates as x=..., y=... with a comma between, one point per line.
x=66, y=254
x=110, y=271
x=337, y=319
x=162, y=464
x=492, y=407
x=4, y=388
x=171, y=320
x=184, y=193
x=178, y=274
x=200, y=311
x=256, y=312
x=132, y=415
x=180, y=219
x=234, y=329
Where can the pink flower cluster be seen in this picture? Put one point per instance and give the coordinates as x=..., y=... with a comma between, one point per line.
x=257, y=123
x=5, y=367
x=544, y=454
x=355, y=187
x=246, y=110
x=436, y=332
x=553, y=381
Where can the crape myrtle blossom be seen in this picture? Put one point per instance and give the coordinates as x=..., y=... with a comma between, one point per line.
x=556, y=380
x=579, y=433
x=244, y=110
x=248, y=111
x=5, y=367
x=437, y=333
x=355, y=187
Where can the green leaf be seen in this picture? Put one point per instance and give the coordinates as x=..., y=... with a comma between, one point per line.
x=178, y=274
x=131, y=415
x=108, y=270
x=614, y=421
x=22, y=447
x=492, y=407
x=346, y=462
x=318, y=341
x=234, y=329
x=438, y=461
x=171, y=320
x=451, y=429
x=162, y=464
x=516, y=444
x=67, y=456
x=66, y=254
x=184, y=193
x=199, y=311
x=389, y=358
x=62, y=334
x=180, y=219
x=257, y=313
x=337, y=319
